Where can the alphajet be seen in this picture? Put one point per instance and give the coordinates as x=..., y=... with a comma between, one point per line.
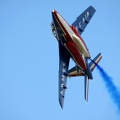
x=71, y=45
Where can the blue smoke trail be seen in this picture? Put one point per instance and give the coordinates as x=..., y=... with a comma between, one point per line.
x=112, y=89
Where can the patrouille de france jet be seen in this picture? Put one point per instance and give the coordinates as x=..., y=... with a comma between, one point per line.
x=71, y=45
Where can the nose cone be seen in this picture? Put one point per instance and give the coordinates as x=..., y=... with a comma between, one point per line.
x=54, y=12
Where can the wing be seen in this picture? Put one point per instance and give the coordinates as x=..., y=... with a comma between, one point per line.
x=63, y=71
x=84, y=19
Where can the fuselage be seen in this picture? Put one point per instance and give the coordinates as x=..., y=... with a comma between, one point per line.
x=73, y=42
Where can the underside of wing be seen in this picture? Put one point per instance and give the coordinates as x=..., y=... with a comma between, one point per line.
x=83, y=19
x=63, y=72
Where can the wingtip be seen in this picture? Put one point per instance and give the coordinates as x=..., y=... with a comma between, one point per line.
x=86, y=99
x=61, y=104
x=62, y=107
x=92, y=8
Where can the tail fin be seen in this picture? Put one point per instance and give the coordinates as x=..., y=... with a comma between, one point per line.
x=86, y=87
x=97, y=60
x=73, y=72
x=86, y=80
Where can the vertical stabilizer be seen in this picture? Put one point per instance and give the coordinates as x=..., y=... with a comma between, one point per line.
x=86, y=87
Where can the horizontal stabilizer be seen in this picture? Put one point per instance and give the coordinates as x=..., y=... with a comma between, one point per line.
x=75, y=72
x=78, y=72
x=96, y=60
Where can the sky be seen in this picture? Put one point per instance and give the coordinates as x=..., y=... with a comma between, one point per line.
x=29, y=61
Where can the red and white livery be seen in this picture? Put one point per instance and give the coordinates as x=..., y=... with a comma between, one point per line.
x=71, y=45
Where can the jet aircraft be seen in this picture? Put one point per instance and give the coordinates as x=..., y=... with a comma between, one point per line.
x=71, y=45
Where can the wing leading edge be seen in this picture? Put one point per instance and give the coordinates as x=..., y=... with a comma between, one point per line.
x=63, y=71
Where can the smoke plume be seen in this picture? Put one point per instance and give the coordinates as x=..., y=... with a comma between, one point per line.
x=111, y=88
